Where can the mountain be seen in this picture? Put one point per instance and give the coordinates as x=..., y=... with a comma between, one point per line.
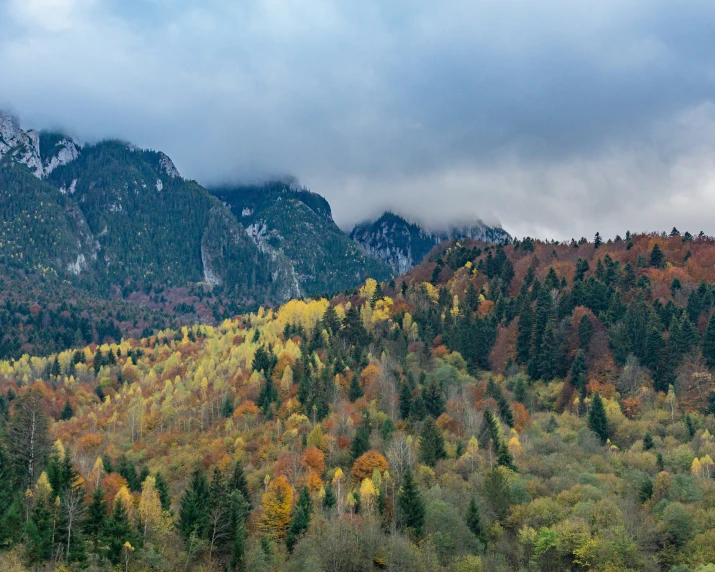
x=403, y=244
x=295, y=227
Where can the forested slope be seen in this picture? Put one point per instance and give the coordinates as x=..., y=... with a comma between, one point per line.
x=536, y=406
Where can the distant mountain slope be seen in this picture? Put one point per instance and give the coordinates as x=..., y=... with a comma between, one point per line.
x=296, y=226
x=403, y=244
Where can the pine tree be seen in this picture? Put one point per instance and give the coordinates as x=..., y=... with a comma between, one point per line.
x=434, y=400
x=239, y=483
x=405, y=400
x=474, y=520
x=118, y=531
x=267, y=396
x=227, y=407
x=431, y=443
x=585, y=332
x=67, y=412
x=163, y=488
x=647, y=442
x=597, y=421
x=96, y=520
x=520, y=390
x=709, y=343
x=597, y=240
x=657, y=258
x=410, y=506
x=193, y=516
x=361, y=441
x=355, y=392
x=39, y=531
x=301, y=519
x=523, y=340
x=578, y=370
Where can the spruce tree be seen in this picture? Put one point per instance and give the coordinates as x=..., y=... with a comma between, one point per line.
x=434, y=400
x=647, y=442
x=355, y=392
x=597, y=421
x=709, y=343
x=227, y=407
x=39, y=532
x=162, y=488
x=361, y=441
x=657, y=258
x=118, y=531
x=410, y=506
x=96, y=520
x=239, y=483
x=193, y=515
x=431, y=443
x=474, y=520
x=585, y=332
x=405, y=400
x=67, y=412
x=301, y=519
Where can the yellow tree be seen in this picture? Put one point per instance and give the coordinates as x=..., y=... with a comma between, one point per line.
x=276, y=507
x=152, y=517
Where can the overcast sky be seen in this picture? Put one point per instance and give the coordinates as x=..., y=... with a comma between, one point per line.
x=558, y=118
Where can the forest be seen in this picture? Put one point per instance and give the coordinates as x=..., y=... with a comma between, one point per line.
x=533, y=406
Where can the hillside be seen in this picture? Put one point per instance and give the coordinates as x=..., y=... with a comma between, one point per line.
x=403, y=244
x=295, y=225
x=535, y=406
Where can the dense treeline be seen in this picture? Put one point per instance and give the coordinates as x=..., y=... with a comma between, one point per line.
x=536, y=406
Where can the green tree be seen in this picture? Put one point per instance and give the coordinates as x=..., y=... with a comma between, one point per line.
x=361, y=441
x=410, y=505
x=301, y=519
x=597, y=421
x=118, y=531
x=67, y=411
x=431, y=443
x=657, y=258
x=193, y=515
x=709, y=343
x=355, y=392
x=95, y=521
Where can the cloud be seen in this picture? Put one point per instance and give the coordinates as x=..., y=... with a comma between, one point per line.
x=558, y=118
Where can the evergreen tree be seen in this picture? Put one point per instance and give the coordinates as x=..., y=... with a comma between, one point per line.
x=578, y=370
x=585, y=332
x=597, y=421
x=520, y=390
x=647, y=442
x=67, y=412
x=431, y=443
x=405, y=400
x=355, y=392
x=301, y=519
x=193, y=515
x=96, y=520
x=239, y=483
x=597, y=240
x=163, y=489
x=118, y=531
x=434, y=400
x=410, y=506
x=709, y=343
x=523, y=340
x=657, y=258
x=418, y=411
x=39, y=531
x=227, y=407
x=474, y=520
x=329, y=500
x=267, y=396
x=361, y=441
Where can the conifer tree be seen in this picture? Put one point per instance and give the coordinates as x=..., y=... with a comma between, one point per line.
x=431, y=443
x=301, y=519
x=193, y=516
x=647, y=442
x=361, y=441
x=405, y=400
x=163, y=488
x=410, y=506
x=355, y=392
x=585, y=332
x=227, y=407
x=118, y=531
x=474, y=520
x=239, y=483
x=96, y=520
x=434, y=400
x=709, y=343
x=67, y=412
x=657, y=258
x=597, y=421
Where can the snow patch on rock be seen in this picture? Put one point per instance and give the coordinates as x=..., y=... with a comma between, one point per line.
x=159, y=185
